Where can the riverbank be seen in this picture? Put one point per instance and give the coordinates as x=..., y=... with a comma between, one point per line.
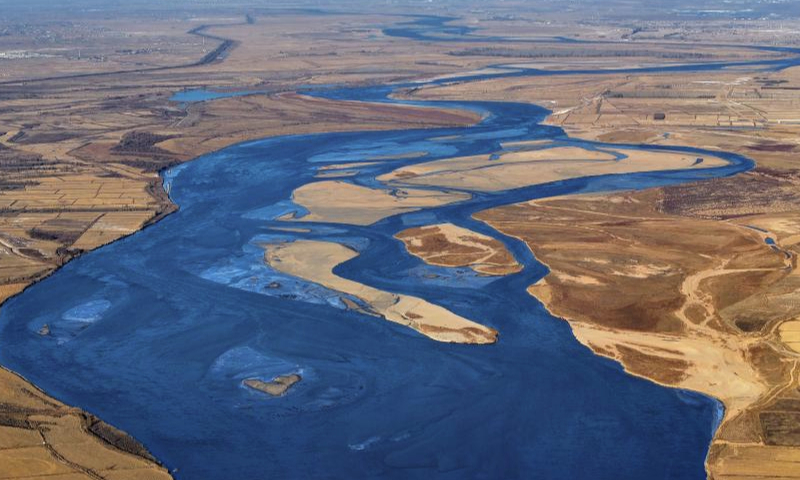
x=42, y=437
x=675, y=304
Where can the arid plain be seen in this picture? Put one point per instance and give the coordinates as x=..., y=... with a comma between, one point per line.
x=692, y=286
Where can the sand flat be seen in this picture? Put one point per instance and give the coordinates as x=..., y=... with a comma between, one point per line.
x=525, y=168
x=314, y=261
x=342, y=202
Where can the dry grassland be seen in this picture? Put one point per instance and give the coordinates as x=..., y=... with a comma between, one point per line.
x=42, y=438
x=449, y=245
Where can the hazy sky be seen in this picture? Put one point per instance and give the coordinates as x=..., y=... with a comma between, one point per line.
x=776, y=9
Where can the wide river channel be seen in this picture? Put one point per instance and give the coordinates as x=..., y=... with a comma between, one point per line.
x=155, y=333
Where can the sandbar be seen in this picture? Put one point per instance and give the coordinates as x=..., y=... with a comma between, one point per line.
x=277, y=387
x=315, y=260
x=449, y=245
x=342, y=202
x=533, y=167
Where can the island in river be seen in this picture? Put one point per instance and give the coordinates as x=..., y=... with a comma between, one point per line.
x=277, y=386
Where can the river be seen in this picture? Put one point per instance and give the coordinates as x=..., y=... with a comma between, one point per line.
x=155, y=333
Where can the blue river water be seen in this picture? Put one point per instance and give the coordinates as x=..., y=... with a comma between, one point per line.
x=155, y=334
